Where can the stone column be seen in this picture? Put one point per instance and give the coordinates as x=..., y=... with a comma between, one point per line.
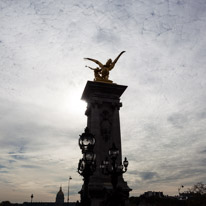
x=103, y=104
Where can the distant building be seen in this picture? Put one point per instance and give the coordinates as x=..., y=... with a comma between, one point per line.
x=153, y=194
x=59, y=201
x=45, y=204
x=60, y=197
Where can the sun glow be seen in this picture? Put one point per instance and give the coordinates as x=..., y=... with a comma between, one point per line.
x=76, y=105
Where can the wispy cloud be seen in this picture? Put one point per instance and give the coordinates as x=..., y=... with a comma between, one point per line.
x=42, y=76
x=148, y=175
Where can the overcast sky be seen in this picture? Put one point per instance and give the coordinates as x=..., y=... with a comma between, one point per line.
x=43, y=74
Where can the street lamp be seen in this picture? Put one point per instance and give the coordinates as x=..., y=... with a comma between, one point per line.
x=87, y=164
x=180, y=189
x=32, y=197
x=70, y=178
x=114, y=169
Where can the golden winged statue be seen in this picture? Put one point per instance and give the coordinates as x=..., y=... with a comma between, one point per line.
x=101, y=73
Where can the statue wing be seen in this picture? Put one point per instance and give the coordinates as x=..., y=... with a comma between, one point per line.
x=90, y=68
x=95, y=61
x=115, y=61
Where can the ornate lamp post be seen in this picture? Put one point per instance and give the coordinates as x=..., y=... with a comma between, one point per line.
x=32, y=197
x=114, y=169
x=87, y=164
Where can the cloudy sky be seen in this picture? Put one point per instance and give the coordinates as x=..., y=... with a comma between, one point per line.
x=43, y=74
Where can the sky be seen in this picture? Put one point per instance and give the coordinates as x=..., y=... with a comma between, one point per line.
x=43, y=74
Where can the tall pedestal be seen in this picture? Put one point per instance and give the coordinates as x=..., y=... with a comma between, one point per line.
x=103, y=104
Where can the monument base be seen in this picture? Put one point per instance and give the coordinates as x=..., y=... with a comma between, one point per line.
x=102, y=193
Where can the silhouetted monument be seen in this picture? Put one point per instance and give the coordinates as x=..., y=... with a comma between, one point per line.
x=103, y=105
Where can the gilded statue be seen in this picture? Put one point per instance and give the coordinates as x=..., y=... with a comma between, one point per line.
x=101, y=73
